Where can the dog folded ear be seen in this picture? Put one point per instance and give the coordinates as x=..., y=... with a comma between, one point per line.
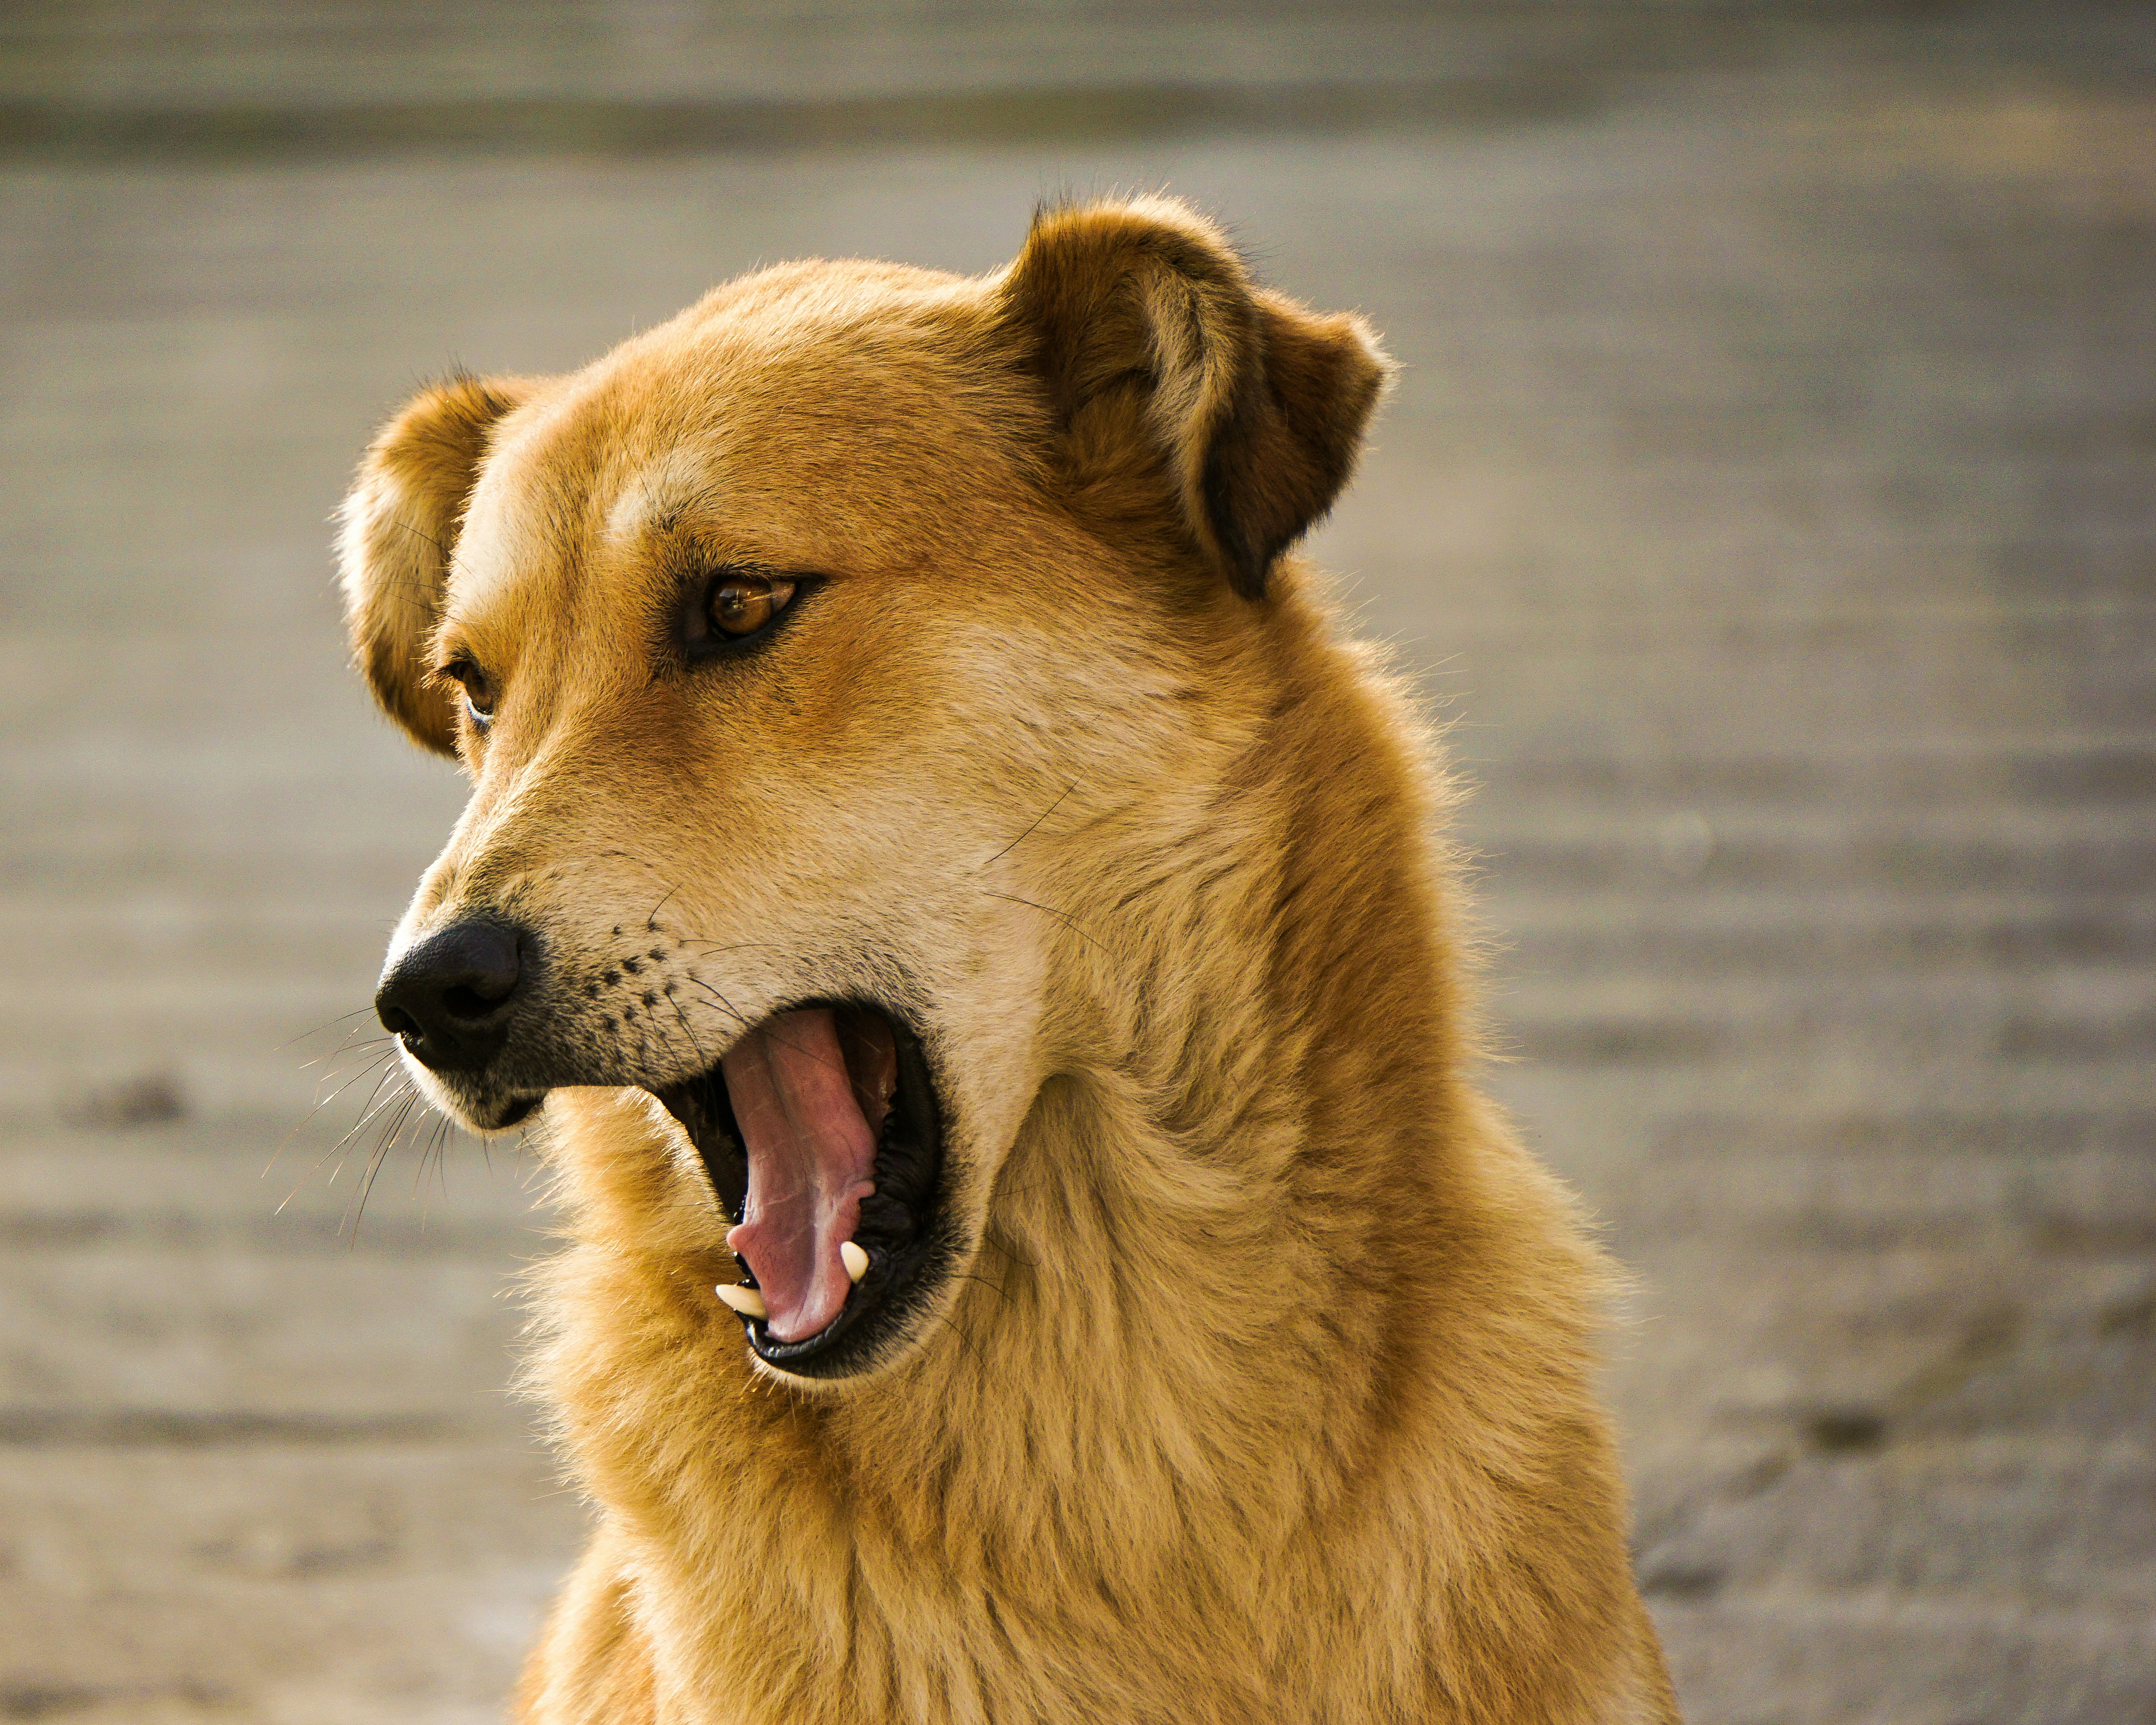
x=1158, y=353
x=400, y=522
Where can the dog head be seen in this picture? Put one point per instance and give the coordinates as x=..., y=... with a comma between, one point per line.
x=821, y=660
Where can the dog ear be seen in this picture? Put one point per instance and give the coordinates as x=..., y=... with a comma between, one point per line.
x=1155, y=349
x=400, y=522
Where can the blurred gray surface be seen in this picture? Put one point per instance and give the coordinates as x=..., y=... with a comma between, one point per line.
x=1769, y=505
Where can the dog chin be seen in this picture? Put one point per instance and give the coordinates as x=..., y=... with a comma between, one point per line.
x=479, y=1108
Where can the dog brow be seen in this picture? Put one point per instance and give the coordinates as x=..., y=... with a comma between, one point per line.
x=655, y=497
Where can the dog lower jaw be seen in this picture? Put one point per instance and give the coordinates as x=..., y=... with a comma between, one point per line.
x=517, y=1112
x=493, y=1111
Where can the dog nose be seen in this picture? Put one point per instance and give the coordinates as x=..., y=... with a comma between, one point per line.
x=449, y=998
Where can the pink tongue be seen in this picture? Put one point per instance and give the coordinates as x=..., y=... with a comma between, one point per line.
x=811, y=1138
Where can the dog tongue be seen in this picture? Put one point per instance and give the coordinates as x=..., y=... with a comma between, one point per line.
x=811, y=1143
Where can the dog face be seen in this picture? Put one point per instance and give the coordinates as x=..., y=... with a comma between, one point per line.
x=822, y=661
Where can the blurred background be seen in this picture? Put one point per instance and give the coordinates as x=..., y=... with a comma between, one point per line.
x=1768, y=505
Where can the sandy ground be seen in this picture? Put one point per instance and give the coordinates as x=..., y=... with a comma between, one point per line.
x=1768, y=506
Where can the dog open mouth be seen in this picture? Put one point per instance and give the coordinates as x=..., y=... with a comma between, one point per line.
x=823, y=1141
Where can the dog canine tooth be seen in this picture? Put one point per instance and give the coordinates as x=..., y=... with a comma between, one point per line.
x=855, y=1260
x=747, y=1301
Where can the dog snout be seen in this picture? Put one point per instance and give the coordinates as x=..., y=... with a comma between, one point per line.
x=449, y=996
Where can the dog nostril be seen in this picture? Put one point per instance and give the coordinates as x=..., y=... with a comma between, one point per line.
x=464, y=1003
x=448, y=996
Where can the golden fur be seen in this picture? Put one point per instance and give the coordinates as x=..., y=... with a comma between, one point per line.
x=1266, y=1389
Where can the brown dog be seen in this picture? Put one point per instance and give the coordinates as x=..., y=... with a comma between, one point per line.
x=1039, y=1252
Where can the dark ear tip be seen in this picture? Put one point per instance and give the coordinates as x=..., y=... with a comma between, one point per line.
x=1248, y=577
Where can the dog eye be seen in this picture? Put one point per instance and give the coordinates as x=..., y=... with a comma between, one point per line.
x=739, y=602
x=479, y=691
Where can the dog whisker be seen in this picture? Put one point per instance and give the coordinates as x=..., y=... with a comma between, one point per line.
x=374, y=1065
x=425, y=538
x=1049, y=910
x=694, y=1041
x=1030, y=830
x=374, y=1062
x=376, y=1104
x=436, y=1150
x=965, y=1341
x=741, y=1020
x=342, y=1018
x=380, y=1155
x=332, y=1064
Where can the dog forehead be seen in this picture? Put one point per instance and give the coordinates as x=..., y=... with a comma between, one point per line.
x=520, y=517
x=804, y=414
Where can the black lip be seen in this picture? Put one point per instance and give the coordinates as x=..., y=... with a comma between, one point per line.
x=905, y=1225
